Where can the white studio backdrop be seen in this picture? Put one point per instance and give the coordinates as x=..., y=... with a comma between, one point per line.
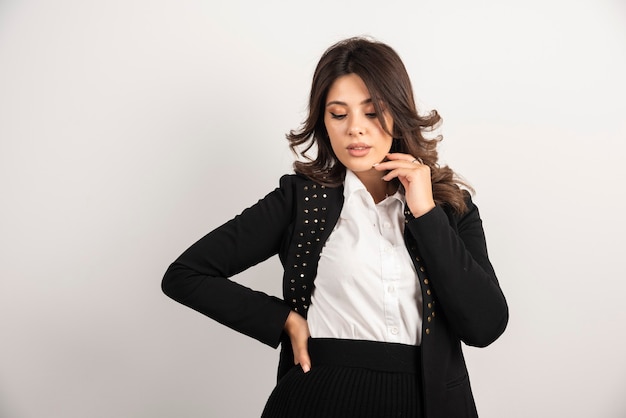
x=129, y=129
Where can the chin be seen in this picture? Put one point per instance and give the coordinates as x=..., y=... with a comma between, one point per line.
x=360, y=168
x=361, y=164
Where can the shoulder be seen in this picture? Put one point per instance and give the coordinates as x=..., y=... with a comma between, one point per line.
x=307, y=196
x=469, y=214
x=291, y=180
x=300, y=183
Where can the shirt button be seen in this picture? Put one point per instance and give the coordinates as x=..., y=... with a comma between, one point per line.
x=394, y=330
x=391, y=289
x=387, y=225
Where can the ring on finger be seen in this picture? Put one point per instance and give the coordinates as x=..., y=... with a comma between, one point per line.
x=418, y=160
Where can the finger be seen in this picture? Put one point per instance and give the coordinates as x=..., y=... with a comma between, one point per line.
x=405, y=173
x=305, y=362
x=393, y=164
x=298, y=330
x=403, y=157
x=394, y=173
x=301, y=357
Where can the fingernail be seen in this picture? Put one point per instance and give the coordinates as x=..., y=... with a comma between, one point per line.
x=306, y=368
x=374, y=165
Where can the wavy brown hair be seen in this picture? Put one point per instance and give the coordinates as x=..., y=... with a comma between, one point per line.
x=390, y=88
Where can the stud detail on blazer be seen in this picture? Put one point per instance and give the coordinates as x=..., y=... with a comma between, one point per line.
x=310, y=223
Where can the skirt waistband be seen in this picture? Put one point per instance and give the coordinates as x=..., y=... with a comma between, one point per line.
x=374, y=355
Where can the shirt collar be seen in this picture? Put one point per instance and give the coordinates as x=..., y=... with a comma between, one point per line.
x=352, y=185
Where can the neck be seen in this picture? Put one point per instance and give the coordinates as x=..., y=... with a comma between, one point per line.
x=375, y=185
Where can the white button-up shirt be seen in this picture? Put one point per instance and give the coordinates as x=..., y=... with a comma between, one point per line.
x=366, y=286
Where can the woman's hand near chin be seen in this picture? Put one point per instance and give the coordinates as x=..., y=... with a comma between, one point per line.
x=415, y=178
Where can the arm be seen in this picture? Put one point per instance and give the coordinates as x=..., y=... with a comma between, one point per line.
x=455, y=257
x=461, y=274
x=199, y=278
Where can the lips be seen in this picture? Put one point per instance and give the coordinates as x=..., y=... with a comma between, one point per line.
x=358, y=149
x=358, y=146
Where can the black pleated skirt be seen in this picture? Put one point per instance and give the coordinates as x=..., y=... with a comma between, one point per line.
x=348, y=378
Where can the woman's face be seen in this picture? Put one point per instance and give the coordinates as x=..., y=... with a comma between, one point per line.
x=356, y=135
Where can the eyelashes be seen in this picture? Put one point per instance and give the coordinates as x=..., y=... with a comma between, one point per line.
x=342, y=116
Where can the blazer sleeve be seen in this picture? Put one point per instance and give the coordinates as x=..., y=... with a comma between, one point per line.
x=199, y=278
x=454, y=253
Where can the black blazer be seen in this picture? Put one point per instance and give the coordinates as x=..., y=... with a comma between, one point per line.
x=461, y=296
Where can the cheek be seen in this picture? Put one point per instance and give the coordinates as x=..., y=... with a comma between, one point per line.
x=331, y=126
x=383, y=136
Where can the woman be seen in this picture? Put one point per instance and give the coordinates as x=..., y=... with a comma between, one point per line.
x=385, y=263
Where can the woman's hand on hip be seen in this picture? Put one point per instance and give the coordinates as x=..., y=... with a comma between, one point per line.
x=415, y=178
x=298, y=330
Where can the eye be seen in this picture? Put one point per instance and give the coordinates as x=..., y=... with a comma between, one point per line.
x=336, y=116
x=371, y=115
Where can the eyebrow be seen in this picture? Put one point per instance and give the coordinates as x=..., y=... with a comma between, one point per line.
x=337, y=102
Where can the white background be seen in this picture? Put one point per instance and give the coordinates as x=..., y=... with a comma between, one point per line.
x=130, y=128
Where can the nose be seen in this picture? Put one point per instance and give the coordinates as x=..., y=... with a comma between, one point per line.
x=356, y=127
